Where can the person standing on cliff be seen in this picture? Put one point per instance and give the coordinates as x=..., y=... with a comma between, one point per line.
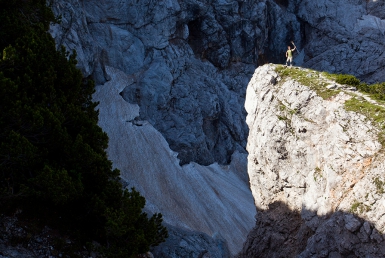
x=289, y=55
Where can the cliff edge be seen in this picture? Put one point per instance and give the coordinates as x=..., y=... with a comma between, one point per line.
x=316, y=166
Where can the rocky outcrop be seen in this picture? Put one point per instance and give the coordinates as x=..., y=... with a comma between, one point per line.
x=315, y=167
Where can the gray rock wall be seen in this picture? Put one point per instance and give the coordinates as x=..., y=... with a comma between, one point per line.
x=188, y=61
x=173, y=67
x=344, y=37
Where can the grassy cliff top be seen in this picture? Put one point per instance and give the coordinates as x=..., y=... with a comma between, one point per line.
x=368, y=100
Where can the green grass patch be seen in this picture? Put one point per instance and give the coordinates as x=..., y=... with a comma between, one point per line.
x=373, y=112
x=317, y=173
x=288, y=111
x=376, y=91
x=309, y=78
x=329, y=76
x=358, y=208
x=318, y=81
x=345, y=79
x=379, y=185
x=282, y=107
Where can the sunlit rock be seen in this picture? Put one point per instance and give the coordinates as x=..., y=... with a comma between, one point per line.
x=315, y=167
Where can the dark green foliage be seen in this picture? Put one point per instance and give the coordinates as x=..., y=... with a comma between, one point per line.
x=379, y=185
x=128, y=225
x=347, y=79
x=53, y=163
x=376, y=90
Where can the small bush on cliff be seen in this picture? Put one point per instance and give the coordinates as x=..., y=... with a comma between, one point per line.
x=376, y=90
x=347, y=79
x=53, y=164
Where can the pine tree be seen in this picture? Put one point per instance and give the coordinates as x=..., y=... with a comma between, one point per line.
x=53, y=162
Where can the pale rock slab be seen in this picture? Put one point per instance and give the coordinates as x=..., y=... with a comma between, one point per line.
x=215, y=199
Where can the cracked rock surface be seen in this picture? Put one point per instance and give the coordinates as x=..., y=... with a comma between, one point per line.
x=344, y=36
x=189, y=62
x=316, y=171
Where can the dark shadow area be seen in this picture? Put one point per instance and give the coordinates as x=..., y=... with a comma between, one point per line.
x=277, y=31
x=262, y=59
x=281, y=233
x=196, y=37
x=283, y=3
x=187, y=243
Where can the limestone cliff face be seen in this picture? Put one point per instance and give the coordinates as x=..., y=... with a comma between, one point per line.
x=316, y=170
x=171, y=79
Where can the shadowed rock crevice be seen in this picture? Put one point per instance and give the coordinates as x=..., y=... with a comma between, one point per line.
x=283, y=26
x=281, y=232
x=185, y=243
x=283, y=3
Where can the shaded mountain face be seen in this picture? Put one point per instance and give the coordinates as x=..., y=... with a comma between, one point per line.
x=190, y=61
x=170, y=67
x=344, y=37
x=214, y=200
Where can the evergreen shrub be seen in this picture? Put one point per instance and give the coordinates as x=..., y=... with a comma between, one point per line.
x=53, y=163
x=347, y=79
